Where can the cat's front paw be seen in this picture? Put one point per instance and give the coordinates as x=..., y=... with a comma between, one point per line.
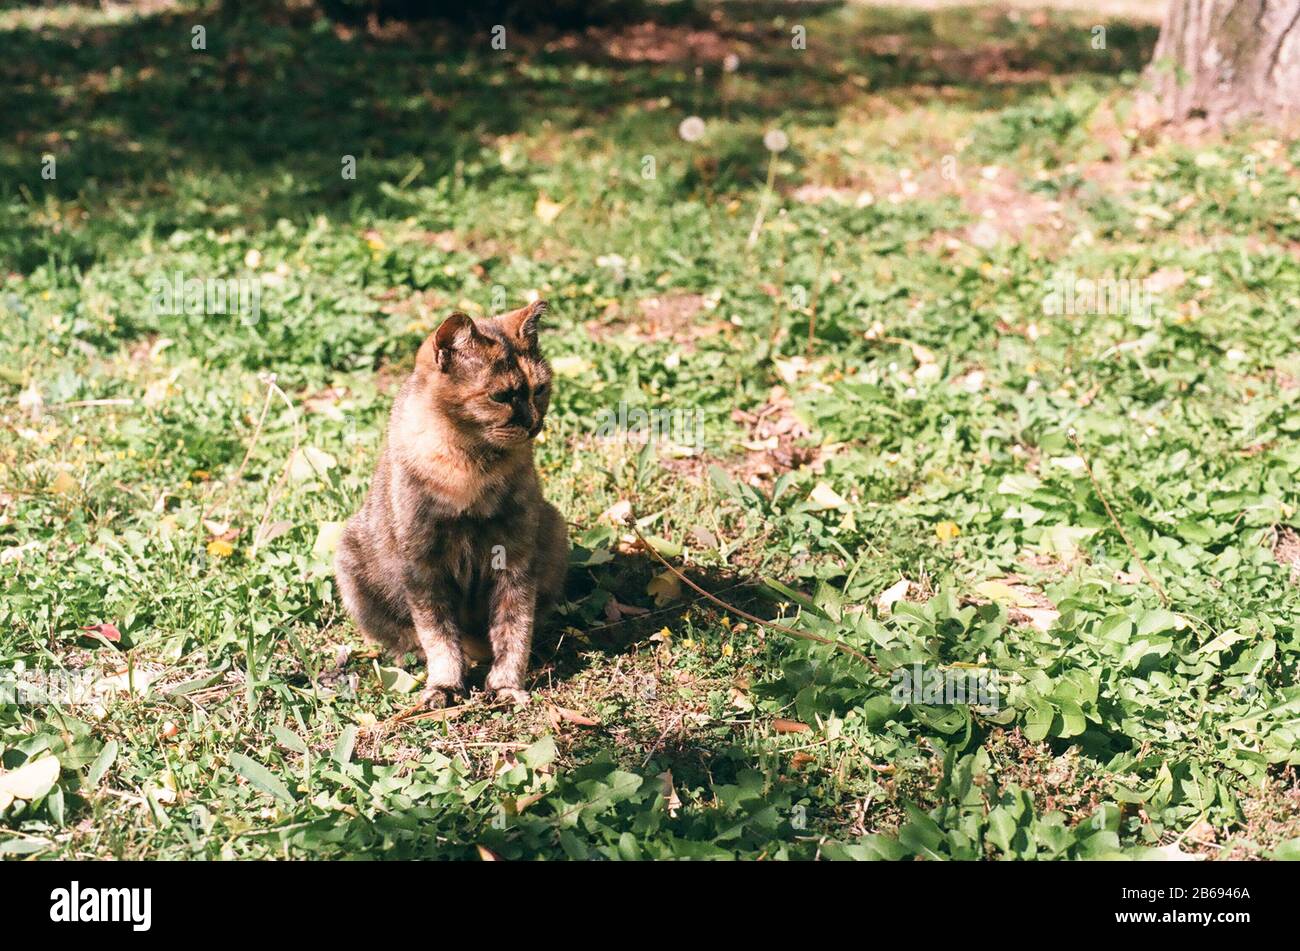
x=514, y=694
x=436, y=698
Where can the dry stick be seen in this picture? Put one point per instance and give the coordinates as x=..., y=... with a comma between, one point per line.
x=420, y=711
x=668, y=610
x=1074, y=438
x=802, y=635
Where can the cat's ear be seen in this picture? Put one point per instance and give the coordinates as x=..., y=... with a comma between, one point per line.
x=521, y=325
x=456, y=334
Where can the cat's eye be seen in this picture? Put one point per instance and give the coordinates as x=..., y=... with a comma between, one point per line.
x=503, y=396
x=543, y=389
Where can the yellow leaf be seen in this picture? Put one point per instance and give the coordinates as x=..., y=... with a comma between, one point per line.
x=664, y=587
x=220, y=548
x=64, y=484
x=570, y=366
x=310, y=463
x=823, y=497
x=31, y=780
x=327, y=538
x=546, y=210
x=946, y=531
x=997, y=591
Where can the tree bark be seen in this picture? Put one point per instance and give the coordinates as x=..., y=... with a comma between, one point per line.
x=1224, y=60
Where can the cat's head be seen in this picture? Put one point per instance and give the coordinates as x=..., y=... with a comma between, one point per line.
x=489, y=377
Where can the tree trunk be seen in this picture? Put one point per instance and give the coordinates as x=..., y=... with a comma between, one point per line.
x=1222, y=60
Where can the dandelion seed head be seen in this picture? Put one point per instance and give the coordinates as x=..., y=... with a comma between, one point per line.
x=691, y=129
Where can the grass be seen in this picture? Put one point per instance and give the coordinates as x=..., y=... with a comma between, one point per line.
x=946, y=167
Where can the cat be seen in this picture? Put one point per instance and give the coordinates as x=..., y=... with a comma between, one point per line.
x=454, y=542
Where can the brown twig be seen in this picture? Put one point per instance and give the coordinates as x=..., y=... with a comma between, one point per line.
x=792, y=632
x=420, y=711
x=1078, y=447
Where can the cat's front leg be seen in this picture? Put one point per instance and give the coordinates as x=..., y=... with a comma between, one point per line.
x=440, y=639
x=510, y=630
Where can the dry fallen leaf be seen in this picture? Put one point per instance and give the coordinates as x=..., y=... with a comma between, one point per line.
x=64, y=484
x=106, y=630
x=823, y=497
x=671, y=800
x=327, y=538
x=782, y=725
x=274, y=531
x=310, y=463
x=1000, y=591
x=572, y=716
x=546, y=210
x=892, y=595
x=30, y=781
x=618, y=513
x=615, y=610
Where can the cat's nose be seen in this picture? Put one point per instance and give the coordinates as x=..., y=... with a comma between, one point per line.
x=537, y=428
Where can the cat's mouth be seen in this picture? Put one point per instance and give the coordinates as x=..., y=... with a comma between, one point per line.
x=514, y=435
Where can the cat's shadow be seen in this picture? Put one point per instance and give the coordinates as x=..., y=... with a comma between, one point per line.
x=610, y=610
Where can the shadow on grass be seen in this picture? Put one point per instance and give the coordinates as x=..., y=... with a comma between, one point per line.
x=149, y=133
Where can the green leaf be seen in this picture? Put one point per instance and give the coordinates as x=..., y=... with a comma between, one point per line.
x=289, y=740
x=261, y=778
x=1038, y=721
x=103, y=763
x=344, y=745
x=396, y=679
x=541, y=753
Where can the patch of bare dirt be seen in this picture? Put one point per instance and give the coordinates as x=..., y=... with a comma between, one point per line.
x=775, y=439
x=653, y=43
x=420, y=306
x=775, y=442
x=1061, y=783
x=1272, y=816
x=664, y=317
x=1286, y=550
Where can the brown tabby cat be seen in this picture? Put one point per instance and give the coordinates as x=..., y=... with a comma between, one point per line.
x=454, y=542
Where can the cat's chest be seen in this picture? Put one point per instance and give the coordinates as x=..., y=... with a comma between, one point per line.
x=464, y=540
